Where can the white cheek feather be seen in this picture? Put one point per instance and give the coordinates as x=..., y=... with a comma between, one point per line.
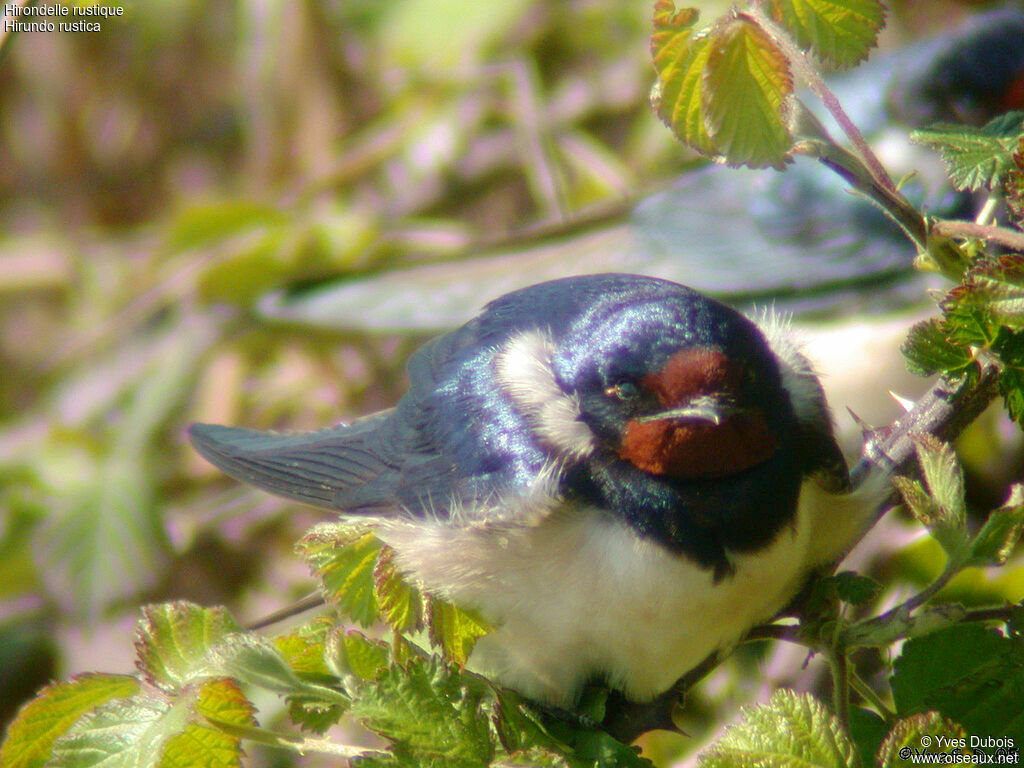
x=523, y=369
x=798, y=375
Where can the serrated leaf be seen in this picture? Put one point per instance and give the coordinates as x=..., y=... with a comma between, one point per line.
x=172, y=640
x=747, y=87
x=839, y=32
x=344, y=557
x=975, y=157
x=928, y=351
x=969, y=319
x=972, y=675
x=202, y=745
x=855, y=589
x=255, y=660
x=453, y=629
x=998, y=283
x=997, y=539
x=867, y=730
x=1011, y=387
x=430, y=712
x=679, y=60
x=945, y=480
x=917, y=501
x=303, y=649
x=791, y=729
x=125, y=733
x=313, y=714
x=907, y=733
x=360, y=655
x=53, y=711
x=401, y=604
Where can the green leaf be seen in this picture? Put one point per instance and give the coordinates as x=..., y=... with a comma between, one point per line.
x=997, y=283
x=172, y=640
x=792, y=729
x=125, y=733
x=255, y=660
x=975, y=157
x=926, y=510
x=867, y=730
x=998, y=538
x=855, y=589
x=679, y=60
x=906, y=735
x=747, y=90
x=453, y=629
x=303, y=649
x=201, y=746
x=344, y=558
x=1011, y=387
x=358, y=654
x=945, y=480
x=839, y=32
x=969, y=674
x=928, y=351
x=1010, y=348
x=430, y=712
x=53, y=711
x=401, y=604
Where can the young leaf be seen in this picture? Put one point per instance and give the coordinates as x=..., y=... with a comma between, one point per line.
x=344, y=558
x=998, y=283
x=975, y=157
x=680, y=59
x=855, y=589
x=997, y=539
x=129, y=732
x=172, y=640
x=839, y=32
x=907, y=733
x=430, y=712
x=55, y=709
x=453, y=629
x=747, y=89
x=401, y=604
x=199, y=743
x=928, y=351
x=791, y=729
x=358, y=654
x=303, y=649
x=253, y=659
x=1010, y=347
x=945, y=480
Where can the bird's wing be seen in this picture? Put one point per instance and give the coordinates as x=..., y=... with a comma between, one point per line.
x=388, y=461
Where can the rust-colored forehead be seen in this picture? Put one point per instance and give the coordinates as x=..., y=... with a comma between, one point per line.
x=693, y=371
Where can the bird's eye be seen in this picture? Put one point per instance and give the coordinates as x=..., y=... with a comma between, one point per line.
x=623, y=392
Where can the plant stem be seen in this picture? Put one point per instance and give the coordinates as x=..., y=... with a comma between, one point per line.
x=868, y=693
x=798, y=60
x=1001, y=235
x=838, y=664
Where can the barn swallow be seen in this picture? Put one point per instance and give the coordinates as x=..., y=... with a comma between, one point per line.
x=618, y=473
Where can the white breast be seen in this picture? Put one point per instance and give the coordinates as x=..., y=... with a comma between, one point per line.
x=580, y=595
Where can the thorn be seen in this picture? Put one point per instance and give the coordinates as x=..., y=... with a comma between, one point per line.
x=903, y=402
x=864, y=426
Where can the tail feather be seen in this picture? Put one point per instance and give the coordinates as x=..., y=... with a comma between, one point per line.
x=313, y=467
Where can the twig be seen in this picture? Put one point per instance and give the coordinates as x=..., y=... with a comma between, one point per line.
x=798, y=60
x=1001, y=235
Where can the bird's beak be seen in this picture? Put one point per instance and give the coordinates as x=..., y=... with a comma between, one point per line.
x=712, y=409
